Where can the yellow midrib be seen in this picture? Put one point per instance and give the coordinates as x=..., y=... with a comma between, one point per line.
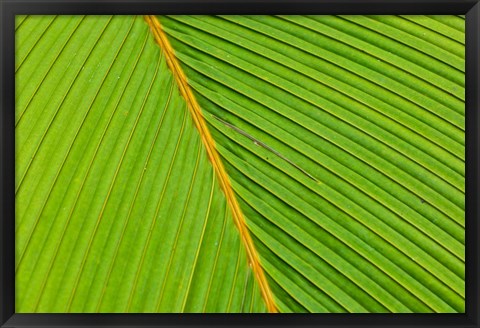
x=200, y=123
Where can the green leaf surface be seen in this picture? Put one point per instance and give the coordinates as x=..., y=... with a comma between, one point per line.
x=117, y=205
x=343, y=138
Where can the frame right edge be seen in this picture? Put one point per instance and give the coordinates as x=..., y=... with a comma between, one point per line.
x=472, y=106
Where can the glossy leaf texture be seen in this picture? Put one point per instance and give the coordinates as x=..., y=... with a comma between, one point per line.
x=344, y=139
x=117, y=206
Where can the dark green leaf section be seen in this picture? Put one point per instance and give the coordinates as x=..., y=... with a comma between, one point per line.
x=117, y=205
x=344, y=140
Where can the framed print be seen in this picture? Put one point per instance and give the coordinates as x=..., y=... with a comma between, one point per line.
x=259, y=163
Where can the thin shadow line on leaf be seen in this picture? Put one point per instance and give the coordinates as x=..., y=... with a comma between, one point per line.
x=262, y=144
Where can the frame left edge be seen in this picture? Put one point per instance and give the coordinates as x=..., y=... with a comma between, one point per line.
x=7, y=151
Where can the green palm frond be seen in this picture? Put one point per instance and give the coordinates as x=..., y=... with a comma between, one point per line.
x=343, y=139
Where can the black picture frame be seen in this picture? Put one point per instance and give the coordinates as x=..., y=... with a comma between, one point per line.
x=10, y=8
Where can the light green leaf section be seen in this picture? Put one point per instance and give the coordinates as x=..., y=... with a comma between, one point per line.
x=344, y=140
x=117, y=205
